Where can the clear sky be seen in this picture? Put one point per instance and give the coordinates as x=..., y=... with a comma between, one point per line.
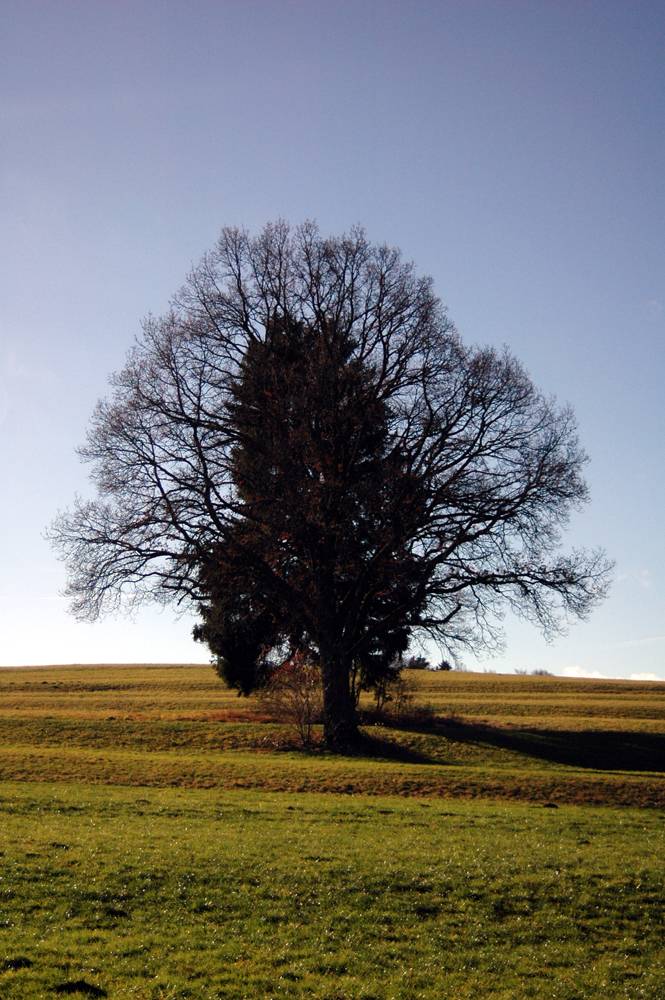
x=514, y=150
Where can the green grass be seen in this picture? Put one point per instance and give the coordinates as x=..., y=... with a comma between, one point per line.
x=198, y=894
x=574, y=741
x=196, y=693
x=161, y=838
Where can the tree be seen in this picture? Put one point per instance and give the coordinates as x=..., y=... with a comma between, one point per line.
x=303, y=449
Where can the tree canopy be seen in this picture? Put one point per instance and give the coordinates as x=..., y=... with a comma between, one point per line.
x=304, y=451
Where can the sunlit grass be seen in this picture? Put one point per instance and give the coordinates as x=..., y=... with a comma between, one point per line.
x=137, y=691
x=195, y=692
x=179, y=893
x=184, y=848
x=576, y=741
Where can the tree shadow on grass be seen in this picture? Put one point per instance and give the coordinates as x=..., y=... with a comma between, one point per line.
x=372, y=746
x=596, y=749
x=368, y=747
x=593, y=749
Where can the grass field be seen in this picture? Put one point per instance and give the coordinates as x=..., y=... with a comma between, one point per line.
x=199, y=894
x=164, y=839
x=533, y=739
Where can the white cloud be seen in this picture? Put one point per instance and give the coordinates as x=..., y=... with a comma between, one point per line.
x=14, y=369
x=634, y=642
x=641, y=577
x=590, y=674
x=595, y=675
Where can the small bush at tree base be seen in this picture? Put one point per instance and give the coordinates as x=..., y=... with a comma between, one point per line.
x=294, y=694
x=393, y=696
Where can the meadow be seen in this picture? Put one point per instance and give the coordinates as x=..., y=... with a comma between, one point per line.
x=533, y=739
x=163, y=839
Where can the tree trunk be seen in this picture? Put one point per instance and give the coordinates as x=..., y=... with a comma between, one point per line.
x=340, y=725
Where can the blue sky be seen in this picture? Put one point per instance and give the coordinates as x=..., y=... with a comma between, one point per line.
x=514, y=150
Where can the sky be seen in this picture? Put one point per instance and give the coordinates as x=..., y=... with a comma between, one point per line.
x=514, y=151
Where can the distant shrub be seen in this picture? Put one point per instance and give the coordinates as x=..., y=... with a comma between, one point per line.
x=541, y=672
x=444, y=665
x=416, y=663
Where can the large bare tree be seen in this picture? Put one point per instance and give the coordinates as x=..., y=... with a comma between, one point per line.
x=304, y=450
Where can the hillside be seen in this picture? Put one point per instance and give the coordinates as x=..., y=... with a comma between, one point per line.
x=533, y=739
